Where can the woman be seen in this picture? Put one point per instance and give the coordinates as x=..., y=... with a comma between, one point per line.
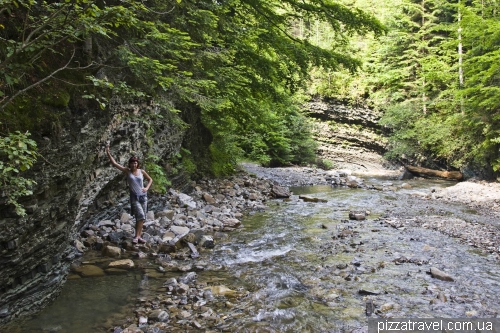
x=138, y=193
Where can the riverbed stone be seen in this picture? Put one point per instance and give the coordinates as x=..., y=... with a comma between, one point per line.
x=123, y=264
x=207, y=242
x=158, y=315
x=185, y=200
x=181, y=288
x=125, y=218
x=306, y=198
x=90, y=271
x=209, y=199
x=166, y=213
x=90, y=241
x=106, y=223
x=132, y=329
x=111, y=251
x=386, y=307
x=221, y=290
x=79, y=246
x=179, y=231
x=280, y=192
x=440, y=275
x=358, y=216
x=231, y=223
x=168, y=236
x=116, y=237
x=87, y=233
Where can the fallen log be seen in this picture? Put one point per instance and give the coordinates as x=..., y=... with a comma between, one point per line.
x=452, y=175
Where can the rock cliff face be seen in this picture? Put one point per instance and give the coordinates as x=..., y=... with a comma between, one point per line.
x=74, y=180
x=348, y=137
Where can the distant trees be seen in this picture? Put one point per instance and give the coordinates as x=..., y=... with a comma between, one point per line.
x=435, y=76
x=436, y=73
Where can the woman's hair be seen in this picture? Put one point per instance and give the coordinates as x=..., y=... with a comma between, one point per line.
x=134, y=159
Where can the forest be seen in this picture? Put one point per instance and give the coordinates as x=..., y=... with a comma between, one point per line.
x=247, y=66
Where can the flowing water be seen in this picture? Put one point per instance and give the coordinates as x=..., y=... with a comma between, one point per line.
x=304, y=267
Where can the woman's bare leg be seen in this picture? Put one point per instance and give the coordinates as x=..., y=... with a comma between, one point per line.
x=138, y=228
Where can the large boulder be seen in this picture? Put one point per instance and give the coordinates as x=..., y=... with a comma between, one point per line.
x=280, y=192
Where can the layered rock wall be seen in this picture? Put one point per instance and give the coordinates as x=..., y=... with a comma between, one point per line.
x=349, y=137
x=74, y=180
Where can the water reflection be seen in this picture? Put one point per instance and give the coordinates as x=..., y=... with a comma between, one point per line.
x=84, y=306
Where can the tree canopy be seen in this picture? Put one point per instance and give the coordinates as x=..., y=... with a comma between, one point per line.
x=435, y=77
x=239, y=62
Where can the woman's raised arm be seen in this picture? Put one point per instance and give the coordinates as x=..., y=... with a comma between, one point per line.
x=113, y=162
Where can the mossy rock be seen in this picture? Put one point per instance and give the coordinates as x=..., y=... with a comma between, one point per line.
x=58, y=99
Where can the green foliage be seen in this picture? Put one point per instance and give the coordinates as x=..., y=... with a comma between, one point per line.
x=433, y=117
x=17, y=154
x=157, y=173
x=225, y=155
x=324, y=164
x=237, y=62
x=187, y=162
x=57, y=99
x=283, y=137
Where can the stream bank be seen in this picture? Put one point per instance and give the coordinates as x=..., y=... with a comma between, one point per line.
x=305, y=266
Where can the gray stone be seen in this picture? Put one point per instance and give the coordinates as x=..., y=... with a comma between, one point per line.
x=440, y=275
x=209, y=199
x=188, y=278
x=280, y=192
x=127, y=227
x=181, y=289
x=116, y=237
x=179, y=231
x=111, y=251
x=90, y=271
x=159, y=315
x=87, y=233
x=359, y=216
x=170, y=282
x=207, y=242
x=125, y=218
x=185, y=200
x=169, y=214
x=231, y=223
x=79, y=246
x=106, y=223
x=311, y=199
x=122, y=264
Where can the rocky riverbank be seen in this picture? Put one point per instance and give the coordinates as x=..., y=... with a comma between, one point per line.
x=180, y=226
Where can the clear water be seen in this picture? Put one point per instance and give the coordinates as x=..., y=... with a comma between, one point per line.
x=85, y=305
x=299, y=276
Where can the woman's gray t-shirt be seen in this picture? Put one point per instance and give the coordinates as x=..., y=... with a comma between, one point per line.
x=136, y=183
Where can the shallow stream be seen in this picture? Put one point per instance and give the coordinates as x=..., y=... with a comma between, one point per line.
x=305, y=267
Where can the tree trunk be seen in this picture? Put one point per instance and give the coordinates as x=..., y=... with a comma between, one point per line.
x=452, y=175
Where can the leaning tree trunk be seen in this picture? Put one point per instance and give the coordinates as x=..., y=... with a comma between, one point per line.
x=452, y=175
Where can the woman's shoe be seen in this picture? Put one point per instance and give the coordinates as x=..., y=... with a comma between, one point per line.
x=135, y=240
x=141, y=240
